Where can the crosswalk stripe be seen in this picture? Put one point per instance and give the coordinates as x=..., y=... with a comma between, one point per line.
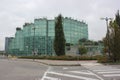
x=65, y=68
x=106, y=70
x=80, y=72
x=111, y=75
x=109, y=72
x=51, y=78
x=73, y=76
x=101, y=68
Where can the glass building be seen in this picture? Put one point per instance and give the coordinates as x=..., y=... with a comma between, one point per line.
x=37, y=38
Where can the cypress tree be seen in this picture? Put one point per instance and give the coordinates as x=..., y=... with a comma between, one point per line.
x=59, y=41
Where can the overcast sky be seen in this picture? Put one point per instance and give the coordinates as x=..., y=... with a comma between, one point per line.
x=14, y=13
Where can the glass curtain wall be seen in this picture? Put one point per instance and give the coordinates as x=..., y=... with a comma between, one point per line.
x=37, y=38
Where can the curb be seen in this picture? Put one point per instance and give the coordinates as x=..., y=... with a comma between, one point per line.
x=59, y=64
x=45, y=63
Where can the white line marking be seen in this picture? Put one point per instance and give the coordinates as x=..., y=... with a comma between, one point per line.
x=73, y=76
x=111, y=75
x=97, y=76
x=80, y=72
x=100, y=67
x=51, y=78
x=46, y=73
x=65, y=68
x=109, y=72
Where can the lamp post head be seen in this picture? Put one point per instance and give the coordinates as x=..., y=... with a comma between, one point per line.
x=102, y=18
x=106, y=18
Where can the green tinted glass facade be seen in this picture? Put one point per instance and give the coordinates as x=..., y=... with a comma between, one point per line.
x=38, y=37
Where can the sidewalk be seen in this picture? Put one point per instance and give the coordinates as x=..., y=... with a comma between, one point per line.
x=68, y=63
x=63, y=62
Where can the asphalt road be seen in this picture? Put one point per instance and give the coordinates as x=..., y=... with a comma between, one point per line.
x=21, y=70
x=29, y=70
x=69, y=73
x=100, y=72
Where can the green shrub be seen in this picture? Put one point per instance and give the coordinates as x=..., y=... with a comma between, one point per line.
x=102, y=59
x=59, y=57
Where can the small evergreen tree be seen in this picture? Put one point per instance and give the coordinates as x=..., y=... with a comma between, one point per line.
x=59, y=41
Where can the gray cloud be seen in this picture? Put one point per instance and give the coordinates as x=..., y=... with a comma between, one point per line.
x=14, y=13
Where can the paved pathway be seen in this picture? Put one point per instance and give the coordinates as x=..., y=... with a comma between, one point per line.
x=59, y=62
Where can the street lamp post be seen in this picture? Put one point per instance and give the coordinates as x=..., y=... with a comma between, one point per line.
x=34, y=41
x=107, y=20
x=46, y=36
x=27, y=50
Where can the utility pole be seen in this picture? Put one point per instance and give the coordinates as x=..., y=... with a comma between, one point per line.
x=107, y=35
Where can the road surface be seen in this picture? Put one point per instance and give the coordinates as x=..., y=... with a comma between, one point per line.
x=16, y=69
x=21, y=70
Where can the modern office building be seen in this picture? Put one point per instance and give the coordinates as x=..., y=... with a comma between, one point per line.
x=37, y=38
x=7, y=43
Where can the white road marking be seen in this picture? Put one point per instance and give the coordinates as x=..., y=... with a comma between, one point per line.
x=73, y=76
x=65, y=68
x=111, y=75
x=97, y=76
x=51, y=78
x=99, y=67
x=109, y=72
x=81, y=72
x=45, y=73
x=106, y=70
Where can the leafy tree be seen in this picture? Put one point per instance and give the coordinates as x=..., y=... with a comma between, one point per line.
x=105, y=45
x=82, y=50
x=117, y=19
x=59, y=41
x=114, y=39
